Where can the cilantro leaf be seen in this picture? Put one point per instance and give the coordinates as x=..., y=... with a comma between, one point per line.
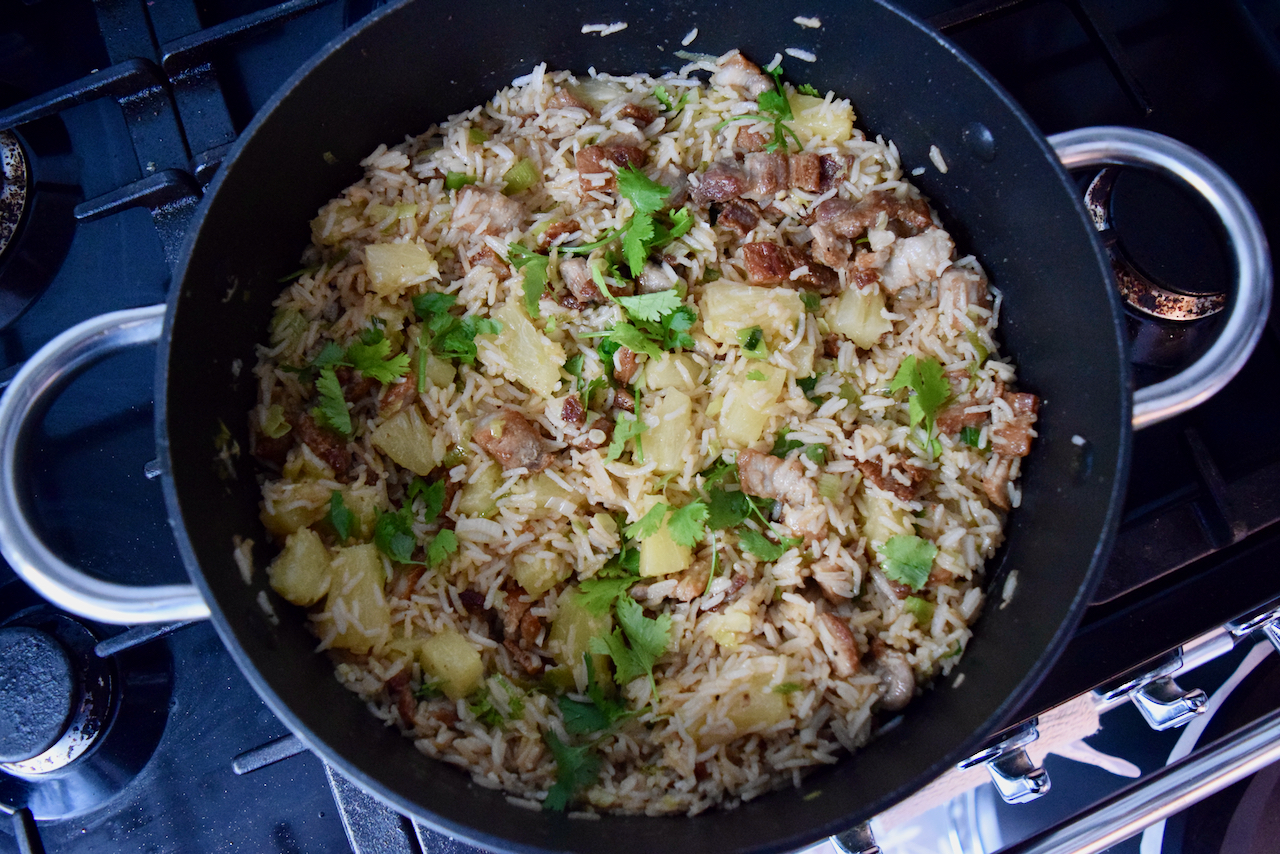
x=598, y=594
x=445, y=544
x=339, y=516
x=535, y=274
x=908, y=559
x=429, y=305
x=627, y=335
x=756, y=376
x=652, y=307
x=807, y=384
x=375, y=361
x=428, y=690
x=648, y=524
x=331, y=354
x=331, y=410
x=930, y=388
x=582, y=718
x=626, y=428
x=688, y=524
x=676, y=326
x=448, y=336
x=782, y=445
x=637, y=643
x=807, y=89
x=727, y=509
x=972, y=436
x=816, y=453
x=663, y=98
x=432, y=496
x=787, y=687
x=574, y=365
x=645, y=194
x=625, y=563
x=717, y=471
x=921, y=609
x=393, y=535
x=600, y=714
x=576, y=769
x=759, y=545
x=635, y=243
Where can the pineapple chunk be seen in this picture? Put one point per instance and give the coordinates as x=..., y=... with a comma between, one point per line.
x=662, y=555
x=356, y=592
x=393, y=267
x=859, y=317
x=666, y=372
x=294, y=506
x=570, y=637
x=667, y=441
x=345, y=217
x=538, y=573
x=477, y=496
x=451, y=659
x=727, y=628
x=757, y=706
x=363, y=505
x=532, y=359
x=751, y=706
x=884, y=521
x=439, y=372
x=832, y=124
x=300, y=573
x=728, y=309
x=549, y=497
x=748, y=405
x=407, y=439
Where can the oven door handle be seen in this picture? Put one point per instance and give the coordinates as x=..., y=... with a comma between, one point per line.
x=1251, y=302
x=27, y=398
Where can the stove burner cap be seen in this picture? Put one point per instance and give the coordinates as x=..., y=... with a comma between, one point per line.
x=13, y=186
x=37, y=692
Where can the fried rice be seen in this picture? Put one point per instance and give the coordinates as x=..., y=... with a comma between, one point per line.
x=653, y=526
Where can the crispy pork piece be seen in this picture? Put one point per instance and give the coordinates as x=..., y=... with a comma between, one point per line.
x=509, y=438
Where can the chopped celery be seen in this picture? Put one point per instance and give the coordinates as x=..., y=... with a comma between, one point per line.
x=458, y=180
x=829, y=485
x=477, y=135
x=520, y=177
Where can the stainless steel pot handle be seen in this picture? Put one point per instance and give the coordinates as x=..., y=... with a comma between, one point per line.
x=30, y=392
x=1251, y=303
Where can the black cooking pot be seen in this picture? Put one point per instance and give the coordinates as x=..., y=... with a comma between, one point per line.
x=1004, y=197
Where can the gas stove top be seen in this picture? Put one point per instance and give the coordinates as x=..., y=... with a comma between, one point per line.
x=119, y=113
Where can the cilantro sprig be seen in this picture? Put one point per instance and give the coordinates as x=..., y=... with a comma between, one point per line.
x=600, y=714
x=445, y=334
x=929, y=391
x=576, y=769
x=636, y=644
x=393, y=531
x=331, y=407
x=908, y=559
x=774, y=108
x=687, y=524
x=624, y=429
x=535, y=274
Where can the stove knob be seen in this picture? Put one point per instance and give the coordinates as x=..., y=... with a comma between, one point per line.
x=38, y=692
